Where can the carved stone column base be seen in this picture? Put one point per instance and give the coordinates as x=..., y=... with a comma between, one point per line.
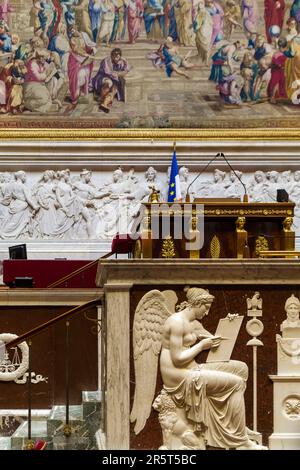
x=284, y=441
x=286, y=404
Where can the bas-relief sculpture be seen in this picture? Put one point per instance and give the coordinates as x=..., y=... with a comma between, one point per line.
x=200, y=404
x=64, y=205
x=286, y=383
x=14, y=368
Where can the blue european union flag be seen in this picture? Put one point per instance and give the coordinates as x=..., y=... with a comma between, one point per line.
x=174, y=193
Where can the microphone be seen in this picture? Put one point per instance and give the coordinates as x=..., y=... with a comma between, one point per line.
x=245, y=197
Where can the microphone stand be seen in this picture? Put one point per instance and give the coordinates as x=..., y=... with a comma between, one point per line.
x=245, y=197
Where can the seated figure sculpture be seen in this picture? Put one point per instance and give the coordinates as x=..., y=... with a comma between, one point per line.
x=209, y=398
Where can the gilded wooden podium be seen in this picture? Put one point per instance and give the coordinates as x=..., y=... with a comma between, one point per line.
x=230, y=229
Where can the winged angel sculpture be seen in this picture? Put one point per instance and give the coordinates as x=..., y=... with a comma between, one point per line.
x=200, y=404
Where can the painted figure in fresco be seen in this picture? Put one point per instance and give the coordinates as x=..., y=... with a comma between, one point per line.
x=108, y=84
x=5, y=9
x=60, y=44
x=12, y=77
x=174, y=62
x=223, y=61
x=37, y=97
x=107, y=21
x=68, y=11
x=172, y=32
x=94, y=11
x=120, y=23
x=203, y=27
x=277, y=85
x=292, y=71
x=135, y=17
x=5, y=37
x=184, y=21
x=154, y=19
x=47, y=15
x=291, y=25
x=80, y=64
x=83, y=19
x=232, y=14
x=274, y=15
x=217, y=14
x=295, y=10
x=248, y=70
x=250, y=15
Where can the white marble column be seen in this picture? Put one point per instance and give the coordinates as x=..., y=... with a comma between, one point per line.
x=117, y=397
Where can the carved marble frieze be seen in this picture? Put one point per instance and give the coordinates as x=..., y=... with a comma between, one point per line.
x=85, y=205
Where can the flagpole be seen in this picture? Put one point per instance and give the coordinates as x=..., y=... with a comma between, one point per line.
x=174, y=146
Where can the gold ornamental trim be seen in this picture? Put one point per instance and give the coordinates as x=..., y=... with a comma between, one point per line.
x=215, y=247
x=168, y=248
x=228, y=212
x=244, y=212
x=261, y=244
x=179, y=134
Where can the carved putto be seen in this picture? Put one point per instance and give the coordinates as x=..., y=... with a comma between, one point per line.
x=201, y=404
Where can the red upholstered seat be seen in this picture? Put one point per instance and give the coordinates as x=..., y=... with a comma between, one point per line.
x=40, y=445
x=122, y=243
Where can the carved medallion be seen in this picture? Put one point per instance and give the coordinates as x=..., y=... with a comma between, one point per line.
x=291, y=407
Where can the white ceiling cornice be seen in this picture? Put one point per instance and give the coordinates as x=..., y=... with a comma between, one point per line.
x=106, y=154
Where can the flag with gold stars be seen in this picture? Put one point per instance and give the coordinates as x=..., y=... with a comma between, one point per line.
x=174, y=193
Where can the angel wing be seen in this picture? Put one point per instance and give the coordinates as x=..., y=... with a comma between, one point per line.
x=150, y=316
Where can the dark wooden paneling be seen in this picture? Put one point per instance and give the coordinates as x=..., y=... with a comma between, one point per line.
x=48, y=355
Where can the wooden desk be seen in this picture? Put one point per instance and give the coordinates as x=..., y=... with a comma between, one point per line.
x=45, y=272
x=231, y=229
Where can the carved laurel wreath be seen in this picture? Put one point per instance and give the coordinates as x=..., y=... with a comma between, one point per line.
x=9, y=376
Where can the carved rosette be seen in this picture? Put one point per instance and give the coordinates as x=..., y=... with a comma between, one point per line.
x=291, y=407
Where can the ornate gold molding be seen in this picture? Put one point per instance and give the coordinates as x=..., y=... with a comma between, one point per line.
x=261, y=244
x=21, y=133
x=168, y=248
x=231, y=212
x=215, y=247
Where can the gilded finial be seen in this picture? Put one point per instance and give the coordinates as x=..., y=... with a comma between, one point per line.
x=154, y=195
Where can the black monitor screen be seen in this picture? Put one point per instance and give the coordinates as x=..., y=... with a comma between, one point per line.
x=17, y=252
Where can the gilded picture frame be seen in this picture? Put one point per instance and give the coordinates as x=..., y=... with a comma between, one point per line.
x=247, y=134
